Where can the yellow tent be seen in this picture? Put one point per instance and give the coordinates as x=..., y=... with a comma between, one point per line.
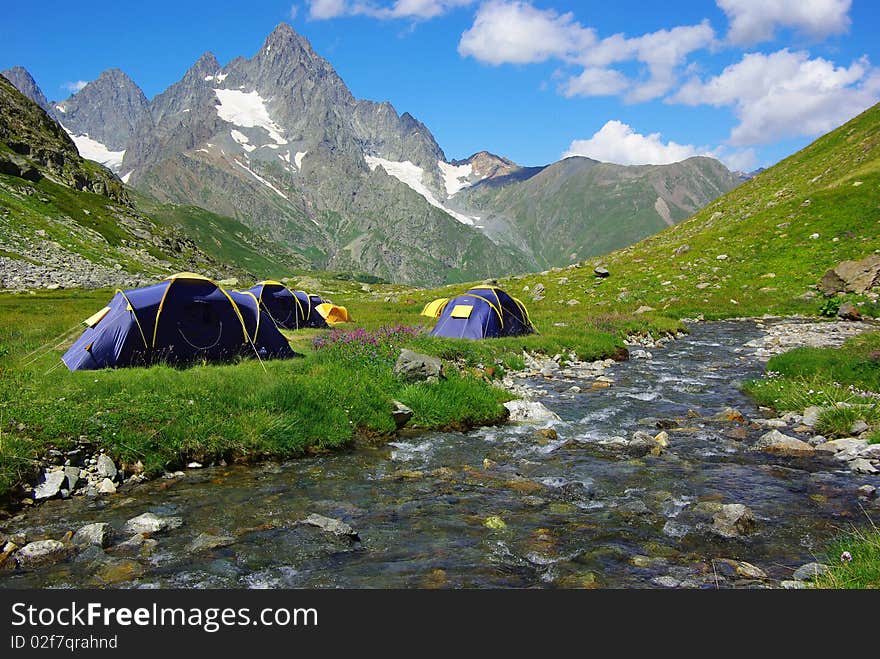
x=435, y=309
x=333, y=314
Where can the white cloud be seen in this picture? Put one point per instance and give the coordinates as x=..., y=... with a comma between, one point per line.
x=412, y=9
x=517, y=33
x=596, y=82
x=294, y=11
x=754, y=21
x=786, y=94
x=74, y=86
x=321, y=9
x=616, y=142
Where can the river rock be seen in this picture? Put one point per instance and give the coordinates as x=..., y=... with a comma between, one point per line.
x=526, y=411
x=641, y=444
x=335, y=526
x=810, y=571
x=400, y=413
x=868, y=491
x=812, y=414
x=733, y=568
x=733, y=520
x=73, y=475
x=137, y=545
x=99, y=534
x=51, y=485
x=42, y=553
x=416, y=367
x=730, y=415
x=836, y=446
x=207, y=542
x=862, y=466
x=106, y=486
x=871, y=452
x=859, y=427
x=777, y=443
x=106, y=467
x=152, y=523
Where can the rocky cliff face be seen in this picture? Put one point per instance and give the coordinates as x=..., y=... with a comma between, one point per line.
x=33, y=146
x=279, y=142
x=107, y=110
x=21, y=78
x=68, y=222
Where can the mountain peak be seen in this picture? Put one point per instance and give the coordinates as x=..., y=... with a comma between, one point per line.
x=24, y=82
x=206, y=64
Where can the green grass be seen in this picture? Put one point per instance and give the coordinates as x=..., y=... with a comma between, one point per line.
x=863, y=571
x=765, y=228
x=164, y=417
x=837, y=379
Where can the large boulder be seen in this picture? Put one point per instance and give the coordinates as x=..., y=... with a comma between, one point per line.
x=416, y=367
x=852, y=277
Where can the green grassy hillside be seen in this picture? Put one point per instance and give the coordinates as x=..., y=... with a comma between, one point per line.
x=758, y=249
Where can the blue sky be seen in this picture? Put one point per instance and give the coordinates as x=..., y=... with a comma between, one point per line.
x=749, y=81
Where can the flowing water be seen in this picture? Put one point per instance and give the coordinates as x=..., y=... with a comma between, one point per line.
x=574, y=512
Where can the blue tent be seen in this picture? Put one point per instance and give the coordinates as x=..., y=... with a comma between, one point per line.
x=483, y=313
x=265, y=339
x=310, y=304
x=183, y=319
x=280, y=304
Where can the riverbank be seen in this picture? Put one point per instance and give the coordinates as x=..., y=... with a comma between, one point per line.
x=158, y=420
x=587, y=497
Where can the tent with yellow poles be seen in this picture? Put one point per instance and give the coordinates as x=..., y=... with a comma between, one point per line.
x=333, y=314
x=289, y=309
x=484, y=312
x=185, y=318
x=435, y=309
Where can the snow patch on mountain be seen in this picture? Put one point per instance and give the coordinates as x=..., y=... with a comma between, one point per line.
x=262, y=180
x=243, y=140
x=61, y=109
x=410, y=174
x=93, y=150
x=127, y=176
x=247, y=110
x=298, y=159
x=455, y=177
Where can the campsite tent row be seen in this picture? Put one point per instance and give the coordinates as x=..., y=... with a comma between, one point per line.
x=482, y=313
x=189, y=318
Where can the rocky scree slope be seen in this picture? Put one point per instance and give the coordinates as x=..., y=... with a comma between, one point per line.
x=68, y=222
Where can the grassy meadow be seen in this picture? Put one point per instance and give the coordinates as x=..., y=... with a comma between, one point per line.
x=164, y=417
